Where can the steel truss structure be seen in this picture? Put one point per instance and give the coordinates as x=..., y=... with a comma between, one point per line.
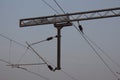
x=63, y=20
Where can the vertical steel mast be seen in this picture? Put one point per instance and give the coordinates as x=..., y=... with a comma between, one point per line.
x=59, y=27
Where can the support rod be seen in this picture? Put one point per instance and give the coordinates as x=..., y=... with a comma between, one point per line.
x=58, y=47
x=29, y=46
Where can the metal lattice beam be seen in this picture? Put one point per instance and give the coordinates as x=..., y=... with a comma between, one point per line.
x=70, y=17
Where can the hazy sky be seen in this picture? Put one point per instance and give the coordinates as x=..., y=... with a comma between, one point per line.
x=78, y=59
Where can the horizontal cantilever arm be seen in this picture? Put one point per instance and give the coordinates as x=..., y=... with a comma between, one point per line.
x=17, y=65
x=78, y=16
x=26, y=64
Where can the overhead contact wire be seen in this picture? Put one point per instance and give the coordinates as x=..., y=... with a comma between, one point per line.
x=50, y=6
x=10, y=45
x=98, y=55
x=12, y=40
x=102, y=51
x=35, y=73
x=59, y=6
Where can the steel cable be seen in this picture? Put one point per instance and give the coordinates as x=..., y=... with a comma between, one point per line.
x=12, y=40
x=59, y=6
x=98, y=54
x=102, y=51
x=50, y=6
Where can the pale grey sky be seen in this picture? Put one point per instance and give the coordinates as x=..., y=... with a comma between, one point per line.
x=78, y=59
